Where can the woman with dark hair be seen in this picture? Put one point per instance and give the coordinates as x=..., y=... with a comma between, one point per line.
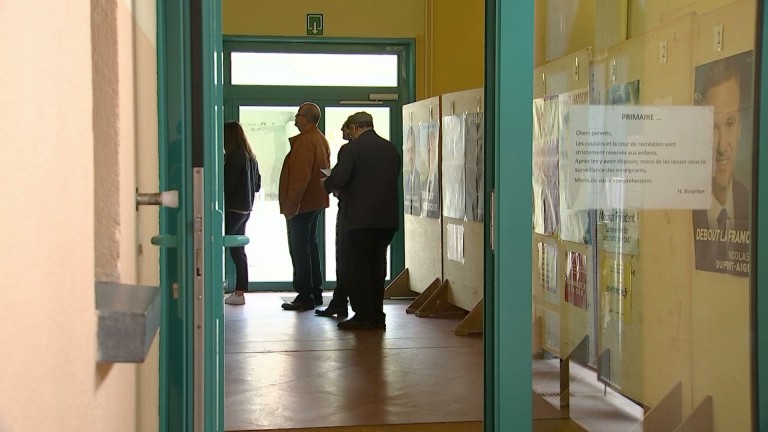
x=241, y=182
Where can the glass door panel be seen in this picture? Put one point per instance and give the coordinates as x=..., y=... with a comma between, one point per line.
x=334, y=118
x=268, y=129
x=642, y=303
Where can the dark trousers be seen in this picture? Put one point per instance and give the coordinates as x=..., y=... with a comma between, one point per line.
x=367, y=253
x=234, y=224
x=341, y=293
x=305, y=256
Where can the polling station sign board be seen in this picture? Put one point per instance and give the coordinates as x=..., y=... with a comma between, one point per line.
x=639, y=157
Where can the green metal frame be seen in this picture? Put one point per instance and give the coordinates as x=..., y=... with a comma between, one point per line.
x=760, y=248
x=509, y=92
x=235, y=96
x=173, y=129
x=175, y=89
x=213, y=121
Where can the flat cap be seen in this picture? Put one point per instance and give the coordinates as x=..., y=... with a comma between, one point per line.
x=360, y=117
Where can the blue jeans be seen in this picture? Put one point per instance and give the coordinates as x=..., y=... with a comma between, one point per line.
x=305, y=256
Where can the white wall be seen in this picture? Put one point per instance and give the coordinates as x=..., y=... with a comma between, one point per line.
x=49, y=373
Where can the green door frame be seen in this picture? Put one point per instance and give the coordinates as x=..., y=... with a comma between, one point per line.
x=235, y=96
x=509, y=92
x=191, y=271
x=760, y=185
x=175, y=259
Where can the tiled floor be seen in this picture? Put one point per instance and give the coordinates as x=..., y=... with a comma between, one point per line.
x=288, y=369
x=294, y=370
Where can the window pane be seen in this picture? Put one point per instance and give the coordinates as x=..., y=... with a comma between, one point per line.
x=268, y=129
x=291, y=69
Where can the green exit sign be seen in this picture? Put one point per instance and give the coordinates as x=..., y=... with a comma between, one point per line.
x=314, y=24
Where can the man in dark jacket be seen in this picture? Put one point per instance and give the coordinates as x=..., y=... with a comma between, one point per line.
x=340, y=300
x=366, y=175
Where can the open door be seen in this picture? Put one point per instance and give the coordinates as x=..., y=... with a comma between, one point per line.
x=191, y=236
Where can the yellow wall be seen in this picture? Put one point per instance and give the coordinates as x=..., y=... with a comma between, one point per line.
x=647, y=15
x=342, y=18
x=569, y=26
x=456, y=45
x=449, y=34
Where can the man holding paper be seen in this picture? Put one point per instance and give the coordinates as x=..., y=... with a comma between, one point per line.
x=367, y=177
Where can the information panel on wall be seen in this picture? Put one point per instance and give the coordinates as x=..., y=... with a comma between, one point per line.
x=642, y=157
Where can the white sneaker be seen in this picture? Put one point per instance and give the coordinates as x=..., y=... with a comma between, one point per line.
x=235, y=300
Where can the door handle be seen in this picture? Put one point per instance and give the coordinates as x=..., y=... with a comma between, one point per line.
x=236, y=240
x=168, y=198
x=164, y=240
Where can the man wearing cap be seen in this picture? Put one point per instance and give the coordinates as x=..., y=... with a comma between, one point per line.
x=302, y=199
x=366, y=175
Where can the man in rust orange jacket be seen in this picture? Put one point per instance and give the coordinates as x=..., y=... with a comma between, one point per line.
x=302, y=199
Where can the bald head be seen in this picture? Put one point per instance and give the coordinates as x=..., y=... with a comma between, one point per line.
x=311, y=111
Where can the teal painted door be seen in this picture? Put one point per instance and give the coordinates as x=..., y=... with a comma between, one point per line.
x=760, y=250
x=191, y=236
x=509, y=91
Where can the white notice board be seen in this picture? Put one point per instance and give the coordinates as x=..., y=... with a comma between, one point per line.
x=639, y=157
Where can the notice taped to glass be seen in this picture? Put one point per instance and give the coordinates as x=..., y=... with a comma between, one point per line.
x=641, y=157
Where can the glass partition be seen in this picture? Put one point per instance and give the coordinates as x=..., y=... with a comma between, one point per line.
x=268, y=129
x=642, y=216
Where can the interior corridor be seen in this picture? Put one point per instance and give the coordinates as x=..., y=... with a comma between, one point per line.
x=286, y=369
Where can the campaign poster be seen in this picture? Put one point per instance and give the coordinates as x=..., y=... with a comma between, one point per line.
x=548, y=271
x=618, y=231
x=411, y=179
x=627, y=93
x=453, y=167
x=574, y=224
x=616, y=289
x=722, y=233
x=576, y=280
x=427, y=155
x=474, y=147
x=545, y=176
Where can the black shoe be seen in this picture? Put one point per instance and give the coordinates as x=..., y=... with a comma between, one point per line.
x=331, y=311
x=318, y=300
x=356, y=324
x=381, y=321
x=298, y=306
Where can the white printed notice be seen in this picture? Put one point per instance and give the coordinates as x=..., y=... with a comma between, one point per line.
x=641, y=157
